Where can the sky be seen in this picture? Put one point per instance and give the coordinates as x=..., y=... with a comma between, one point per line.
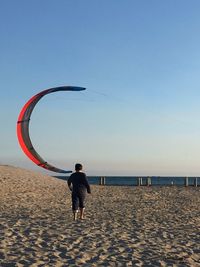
x=140, y=63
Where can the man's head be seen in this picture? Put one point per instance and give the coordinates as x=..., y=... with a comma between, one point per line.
x=78, y=167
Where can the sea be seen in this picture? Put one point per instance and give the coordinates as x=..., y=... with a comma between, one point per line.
x=133, y=180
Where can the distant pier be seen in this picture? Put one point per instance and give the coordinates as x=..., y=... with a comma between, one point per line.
x=147, y=181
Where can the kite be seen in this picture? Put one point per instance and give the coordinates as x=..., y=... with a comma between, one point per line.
x=23, y=128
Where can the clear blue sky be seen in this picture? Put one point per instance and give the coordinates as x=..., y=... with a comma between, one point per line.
x=140, y=63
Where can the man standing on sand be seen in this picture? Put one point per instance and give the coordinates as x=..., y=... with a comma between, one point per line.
x=79, y=186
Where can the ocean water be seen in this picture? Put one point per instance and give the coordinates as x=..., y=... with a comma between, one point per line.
x=133, y=180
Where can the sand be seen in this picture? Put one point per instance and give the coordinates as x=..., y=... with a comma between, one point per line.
x=124, y=226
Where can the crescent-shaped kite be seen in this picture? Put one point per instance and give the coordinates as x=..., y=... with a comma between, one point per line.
x=23, y=128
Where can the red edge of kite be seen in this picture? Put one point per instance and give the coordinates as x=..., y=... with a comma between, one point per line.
x=19, y=130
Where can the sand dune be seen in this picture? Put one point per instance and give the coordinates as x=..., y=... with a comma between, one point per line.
x=124, y=226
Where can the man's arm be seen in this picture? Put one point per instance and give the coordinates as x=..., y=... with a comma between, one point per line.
x=87, y=185
x=69, y=182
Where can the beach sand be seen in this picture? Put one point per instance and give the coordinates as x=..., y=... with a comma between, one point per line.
x=124, y=226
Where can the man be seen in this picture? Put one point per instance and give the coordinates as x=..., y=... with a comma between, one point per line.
x=79, y=186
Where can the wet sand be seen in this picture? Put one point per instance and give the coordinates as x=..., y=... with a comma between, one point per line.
x=124, y=226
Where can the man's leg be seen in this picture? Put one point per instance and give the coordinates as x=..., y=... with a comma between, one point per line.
x=75, y=212
x=82, y=205
x=75, y=204
x=82, y=213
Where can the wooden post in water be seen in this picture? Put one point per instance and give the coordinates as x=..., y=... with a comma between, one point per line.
x=186, y=181
x=196, y=182
x=139, y=181
x=100, y=180
x=148, y=181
